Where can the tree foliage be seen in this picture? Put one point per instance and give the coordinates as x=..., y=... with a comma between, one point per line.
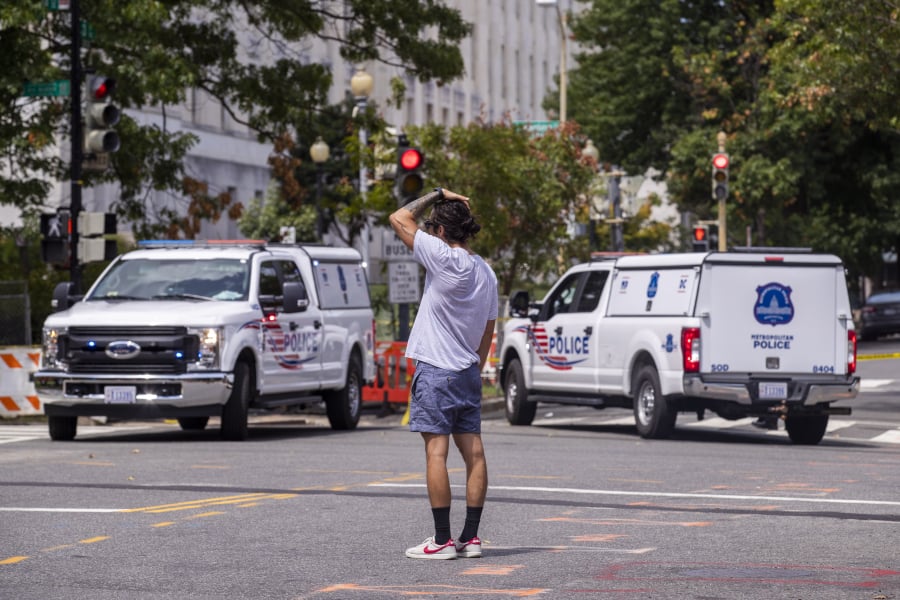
x=526, y=192
x=805, y=91
x=248, y=56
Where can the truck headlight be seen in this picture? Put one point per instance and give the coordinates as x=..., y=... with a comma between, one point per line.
x=50, y=347
x=209, y=347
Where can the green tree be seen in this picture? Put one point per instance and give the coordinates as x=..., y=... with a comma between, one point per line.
x=159, y=51
x=811, y=165
x=525, y=191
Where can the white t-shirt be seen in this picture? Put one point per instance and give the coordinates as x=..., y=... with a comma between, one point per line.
x=460, y=297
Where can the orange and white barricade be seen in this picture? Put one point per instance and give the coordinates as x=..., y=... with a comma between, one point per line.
x=17, y=395
x=393, y=374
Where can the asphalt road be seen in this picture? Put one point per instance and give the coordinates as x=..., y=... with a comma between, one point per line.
x=579, y=507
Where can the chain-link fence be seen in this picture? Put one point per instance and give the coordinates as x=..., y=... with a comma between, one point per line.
x=15, y=314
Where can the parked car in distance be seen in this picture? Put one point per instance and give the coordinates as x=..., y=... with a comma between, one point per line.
x=880, y=315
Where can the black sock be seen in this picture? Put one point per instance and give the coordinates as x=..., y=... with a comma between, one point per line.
x=473, y=518
x=441, y=524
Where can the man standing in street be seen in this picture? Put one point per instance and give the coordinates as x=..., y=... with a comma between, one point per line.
x=449, y=341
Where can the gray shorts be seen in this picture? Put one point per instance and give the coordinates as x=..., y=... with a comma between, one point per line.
x=445, y=402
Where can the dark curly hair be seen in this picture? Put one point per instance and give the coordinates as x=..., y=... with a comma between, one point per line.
x=456, y=219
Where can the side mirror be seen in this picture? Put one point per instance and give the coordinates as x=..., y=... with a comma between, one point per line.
x=294, y=297
x=63, y=297
x=519, y=303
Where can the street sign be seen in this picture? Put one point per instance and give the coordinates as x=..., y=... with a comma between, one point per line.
x=403, y=282
x=393, y=249
x=57, y=4
x=87, y=31
x=60, y=87
x=537, y=128
x=95, y=161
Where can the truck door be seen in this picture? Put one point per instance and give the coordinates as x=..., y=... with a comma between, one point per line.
x=563, y=338
x=291, y=342
x=772, y=321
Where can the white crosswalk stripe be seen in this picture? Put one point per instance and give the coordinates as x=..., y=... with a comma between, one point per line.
x=37, y=431
x=845, y=427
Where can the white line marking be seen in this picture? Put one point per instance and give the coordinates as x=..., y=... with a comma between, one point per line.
x=891, y=437
x=659, y=494
x=834, y=425
x=64, y=510
x=619, y=421
x=720, y=423
x=872, y=384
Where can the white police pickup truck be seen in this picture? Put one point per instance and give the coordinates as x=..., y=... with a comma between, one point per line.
x=190, y=330
x=742, y=334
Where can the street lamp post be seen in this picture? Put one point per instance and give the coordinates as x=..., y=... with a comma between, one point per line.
x=561, y=19
x=319, y=152
x=361, y=85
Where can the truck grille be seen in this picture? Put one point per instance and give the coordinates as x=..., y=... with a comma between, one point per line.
x=163, y=350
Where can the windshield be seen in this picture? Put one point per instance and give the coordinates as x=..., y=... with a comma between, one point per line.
x=142, y=279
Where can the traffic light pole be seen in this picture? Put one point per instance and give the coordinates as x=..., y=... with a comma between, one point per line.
x=77, y=146
x=723, y=237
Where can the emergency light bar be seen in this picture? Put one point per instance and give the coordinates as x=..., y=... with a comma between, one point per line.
x=197, y=243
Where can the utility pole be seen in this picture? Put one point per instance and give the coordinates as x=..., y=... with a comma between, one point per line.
x=77, y=145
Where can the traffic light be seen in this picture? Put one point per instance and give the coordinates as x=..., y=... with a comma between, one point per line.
x=100, y=115
x=409, y=180
x=713, y=236
x=720, y=176
x=700, y=238
x=55, y=231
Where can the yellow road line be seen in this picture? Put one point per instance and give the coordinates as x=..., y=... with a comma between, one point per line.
x=195, y=503
x=94, y=540
x=878, y=356
x=13, y=560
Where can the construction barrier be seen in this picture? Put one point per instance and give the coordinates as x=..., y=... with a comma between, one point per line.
x=393, y=374
x=17, y=395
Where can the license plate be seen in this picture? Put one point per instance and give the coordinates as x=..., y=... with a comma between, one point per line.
x=773, y=391
x=119, y=394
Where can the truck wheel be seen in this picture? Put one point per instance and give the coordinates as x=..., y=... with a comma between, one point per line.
x=519, y=411
x=193, y=423
x=806, y=430
x=62, y=429
x=653, y=416
x=234, y=413
x=343, y=406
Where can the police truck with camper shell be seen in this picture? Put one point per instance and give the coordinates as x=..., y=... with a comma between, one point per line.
x=190, y=330
x=760, y=333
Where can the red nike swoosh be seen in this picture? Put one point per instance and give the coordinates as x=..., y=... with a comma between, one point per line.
x=436, y=550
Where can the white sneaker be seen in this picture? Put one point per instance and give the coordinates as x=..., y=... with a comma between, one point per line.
x=428, y=549
x=470, y=549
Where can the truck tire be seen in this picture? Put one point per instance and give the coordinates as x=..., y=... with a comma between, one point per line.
x=193, y=423
x=62, y=429
x=653, y=416
x=519, y=411
x=806, y=430
x=234, y=413
x=343, y=406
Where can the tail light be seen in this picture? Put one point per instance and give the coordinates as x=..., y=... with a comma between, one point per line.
x=690, y=349
x=851, y=352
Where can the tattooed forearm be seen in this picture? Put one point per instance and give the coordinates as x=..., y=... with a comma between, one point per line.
x=418, y=206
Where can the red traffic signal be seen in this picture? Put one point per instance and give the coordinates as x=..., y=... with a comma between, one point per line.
x=720, y=161
x=700, y=234
x=700, y=241
x=101, y=88
x=411, y=159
